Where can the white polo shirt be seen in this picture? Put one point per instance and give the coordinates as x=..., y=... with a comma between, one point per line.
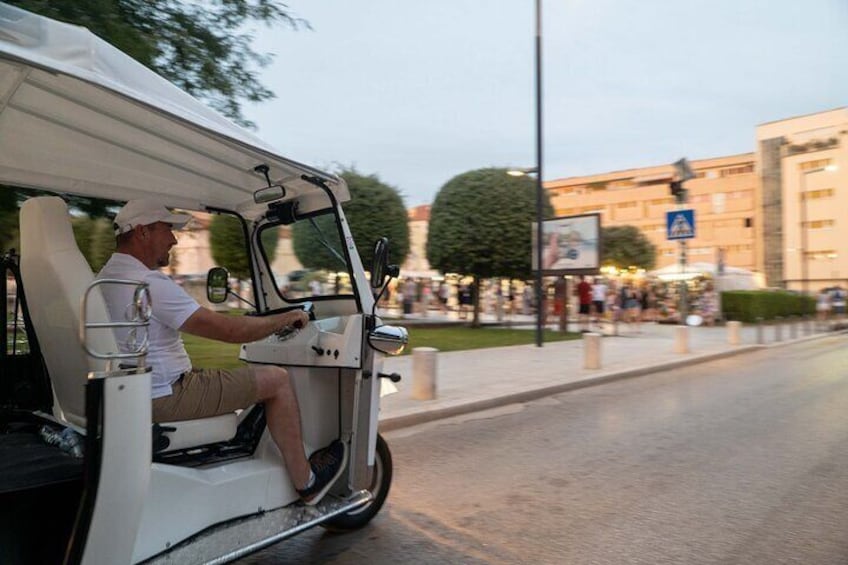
x=172, y=306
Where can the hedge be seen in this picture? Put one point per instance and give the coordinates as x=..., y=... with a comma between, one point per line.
x=748, y=305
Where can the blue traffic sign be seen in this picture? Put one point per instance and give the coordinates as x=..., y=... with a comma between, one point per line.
x=680, y=224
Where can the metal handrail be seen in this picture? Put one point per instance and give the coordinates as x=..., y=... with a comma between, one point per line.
x=140, y=310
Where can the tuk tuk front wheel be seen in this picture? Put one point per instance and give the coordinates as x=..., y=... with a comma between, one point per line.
x=381, y=480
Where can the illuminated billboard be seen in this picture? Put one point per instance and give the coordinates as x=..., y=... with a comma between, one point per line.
x=571, y=245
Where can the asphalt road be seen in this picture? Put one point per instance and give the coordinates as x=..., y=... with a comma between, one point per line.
x=739, y=461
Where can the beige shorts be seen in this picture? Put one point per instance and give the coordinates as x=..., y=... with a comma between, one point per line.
x=201, y=393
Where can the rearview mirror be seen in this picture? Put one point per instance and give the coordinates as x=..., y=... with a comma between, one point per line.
x=380, y=264
x=217, y=285
x=269, y=193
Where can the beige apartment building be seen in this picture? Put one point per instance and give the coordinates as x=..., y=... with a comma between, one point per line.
x=723, y=197
x=779, y=211
x=803, y=166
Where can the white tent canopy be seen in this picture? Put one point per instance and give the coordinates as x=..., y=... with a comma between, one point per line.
x=77, y=115
x=733, y=278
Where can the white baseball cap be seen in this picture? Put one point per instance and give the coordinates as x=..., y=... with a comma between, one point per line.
x=143, y=212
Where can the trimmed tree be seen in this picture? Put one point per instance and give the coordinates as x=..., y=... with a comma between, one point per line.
x=481, y=226
x=626, y=246
x=227, y=244
x=374, y=210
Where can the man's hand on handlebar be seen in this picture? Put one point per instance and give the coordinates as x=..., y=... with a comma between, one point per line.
x=294, y=318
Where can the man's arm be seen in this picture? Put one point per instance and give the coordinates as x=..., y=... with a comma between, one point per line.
x=239, y=329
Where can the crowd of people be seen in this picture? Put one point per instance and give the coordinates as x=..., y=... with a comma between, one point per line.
x=590, y=300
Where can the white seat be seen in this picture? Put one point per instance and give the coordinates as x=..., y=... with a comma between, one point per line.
x=55, y=276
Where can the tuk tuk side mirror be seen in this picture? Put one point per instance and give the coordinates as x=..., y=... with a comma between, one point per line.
x=217, y=285
x=380, y=266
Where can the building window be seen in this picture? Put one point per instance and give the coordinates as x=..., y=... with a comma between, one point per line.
x=817, y=194
x=820, y=224
x=816, y=164
x=821, y=254
x=743, y=170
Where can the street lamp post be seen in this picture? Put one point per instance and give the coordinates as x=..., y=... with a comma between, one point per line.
x=540, y=291
x=803, y=214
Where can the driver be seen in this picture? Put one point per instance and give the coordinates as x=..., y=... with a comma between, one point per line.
x=144, y=237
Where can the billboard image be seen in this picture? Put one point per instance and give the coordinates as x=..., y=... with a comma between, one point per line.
x=571, y=245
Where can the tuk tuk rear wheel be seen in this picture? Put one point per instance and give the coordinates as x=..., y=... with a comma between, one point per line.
x=381, y=480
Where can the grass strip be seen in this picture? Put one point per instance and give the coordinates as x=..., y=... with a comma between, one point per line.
x=214, y=354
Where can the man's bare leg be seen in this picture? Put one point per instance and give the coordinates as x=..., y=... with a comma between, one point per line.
x=274, y=388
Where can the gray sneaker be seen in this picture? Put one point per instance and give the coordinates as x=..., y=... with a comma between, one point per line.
x=327, y=464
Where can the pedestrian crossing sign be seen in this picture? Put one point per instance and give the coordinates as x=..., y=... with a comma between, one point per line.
x=680, y=224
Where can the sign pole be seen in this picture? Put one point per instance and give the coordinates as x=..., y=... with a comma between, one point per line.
x=683, y=172
x=683, y=307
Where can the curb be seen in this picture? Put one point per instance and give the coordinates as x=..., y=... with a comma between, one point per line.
x=424, y=416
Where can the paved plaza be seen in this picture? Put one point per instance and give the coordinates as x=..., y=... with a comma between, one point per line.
x=479, y=379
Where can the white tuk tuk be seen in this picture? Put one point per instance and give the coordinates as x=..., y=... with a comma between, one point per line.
x=78, y=117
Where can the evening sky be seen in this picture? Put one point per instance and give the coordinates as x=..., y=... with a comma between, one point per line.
x=417, y=92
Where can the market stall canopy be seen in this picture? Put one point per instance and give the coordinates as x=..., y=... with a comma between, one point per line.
x=733, y=278
x=77, y=115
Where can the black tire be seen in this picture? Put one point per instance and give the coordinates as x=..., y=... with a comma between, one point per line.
x=381, y=481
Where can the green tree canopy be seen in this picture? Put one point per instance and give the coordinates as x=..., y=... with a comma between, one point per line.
x=626, y=246
x=227, y=244
x=95, y=238
x=374, y=210
x=202, y=47
x=481, y=225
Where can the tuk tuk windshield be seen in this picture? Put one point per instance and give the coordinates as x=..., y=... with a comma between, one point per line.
x=309, y=261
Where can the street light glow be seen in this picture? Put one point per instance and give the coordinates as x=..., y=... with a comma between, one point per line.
x=522, y=172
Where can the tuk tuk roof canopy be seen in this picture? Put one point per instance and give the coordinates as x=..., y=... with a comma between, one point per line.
x=77, y=115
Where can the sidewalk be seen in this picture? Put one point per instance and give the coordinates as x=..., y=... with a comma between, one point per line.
x=469, y=381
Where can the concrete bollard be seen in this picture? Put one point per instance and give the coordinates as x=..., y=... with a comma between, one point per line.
x=681, y=339
x=424, y=373
x=778, y=329
x=591, y=351
x=733, y=328
x=793, y=327
x=760, y=339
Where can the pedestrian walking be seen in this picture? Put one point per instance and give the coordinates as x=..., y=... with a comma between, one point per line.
x=410, y=290
x=584, y=295
x=599, y=299
x=444, y=294
x=823, y=305
x=837, y=302
x=527, y=299
x=632, y=305
x=708, y=305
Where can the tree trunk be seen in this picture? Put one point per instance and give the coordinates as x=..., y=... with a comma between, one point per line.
x=475, y=299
